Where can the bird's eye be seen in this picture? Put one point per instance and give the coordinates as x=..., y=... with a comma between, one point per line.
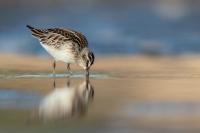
x=84, y=57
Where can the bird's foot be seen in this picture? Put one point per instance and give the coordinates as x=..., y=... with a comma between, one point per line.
x=69, y=74
x=69, y=70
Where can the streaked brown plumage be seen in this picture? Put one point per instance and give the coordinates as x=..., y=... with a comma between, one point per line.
x=65, y=45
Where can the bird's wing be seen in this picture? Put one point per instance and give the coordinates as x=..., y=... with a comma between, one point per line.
x=57, y=37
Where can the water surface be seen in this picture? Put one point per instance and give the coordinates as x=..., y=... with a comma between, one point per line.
x=105, y=103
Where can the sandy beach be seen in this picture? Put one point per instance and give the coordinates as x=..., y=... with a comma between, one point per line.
x=27, y=63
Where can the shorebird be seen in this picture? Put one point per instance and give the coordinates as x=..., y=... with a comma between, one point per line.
x=66, y=102
x=65, y=45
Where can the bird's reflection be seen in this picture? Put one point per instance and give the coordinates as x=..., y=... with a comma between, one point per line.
x=66, y=102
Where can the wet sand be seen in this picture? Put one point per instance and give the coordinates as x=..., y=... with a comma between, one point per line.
x=131, y=94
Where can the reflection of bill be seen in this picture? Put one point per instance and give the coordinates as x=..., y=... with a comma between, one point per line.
x=66, y=102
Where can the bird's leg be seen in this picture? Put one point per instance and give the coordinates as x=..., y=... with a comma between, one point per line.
x=68, y=81
x=69, y=69
x=87, y=74
x=87, y=79
x=54, y=83
x=54, y=67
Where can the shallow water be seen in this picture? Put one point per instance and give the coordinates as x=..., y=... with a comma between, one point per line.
x=105, y=103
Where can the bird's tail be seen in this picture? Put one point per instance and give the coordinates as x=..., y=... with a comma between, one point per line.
x=30, y=27
x=38, y=33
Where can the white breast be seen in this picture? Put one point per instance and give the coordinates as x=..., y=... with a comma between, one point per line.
x=57, y=104
x=62, y=54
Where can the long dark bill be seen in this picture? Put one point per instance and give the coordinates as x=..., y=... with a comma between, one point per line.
x=87, y=74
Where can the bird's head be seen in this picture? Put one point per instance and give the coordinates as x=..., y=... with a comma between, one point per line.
x=86, y=59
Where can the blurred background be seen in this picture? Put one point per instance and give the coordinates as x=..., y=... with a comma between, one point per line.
x=151, y=95
x=153, y=27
